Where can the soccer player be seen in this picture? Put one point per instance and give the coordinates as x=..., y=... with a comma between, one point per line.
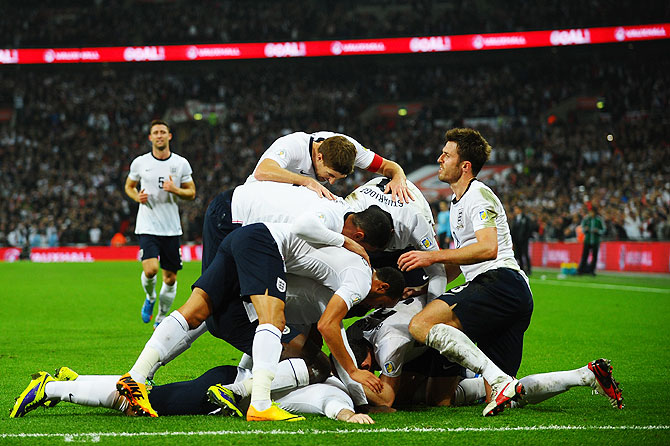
x=494, y=306
x=381, y=341
x=252, y=262
x=164, y=177
x=181, y=398
x=308, y=159
x=412, y=229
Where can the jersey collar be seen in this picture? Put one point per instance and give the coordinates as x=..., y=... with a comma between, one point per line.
x=454, y=201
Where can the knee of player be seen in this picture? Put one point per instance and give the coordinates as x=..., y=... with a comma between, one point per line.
x=419, y=328
x=150, y=272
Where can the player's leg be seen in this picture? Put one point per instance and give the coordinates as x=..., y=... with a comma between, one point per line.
x=596, y=374
x=170, y=262
x=216, y=225
x=149, y=251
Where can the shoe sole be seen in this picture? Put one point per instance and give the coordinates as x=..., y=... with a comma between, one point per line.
x=228, y=407
x=135, y=406
x=518, y=392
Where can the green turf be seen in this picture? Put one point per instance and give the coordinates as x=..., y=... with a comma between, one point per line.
x=86, y=316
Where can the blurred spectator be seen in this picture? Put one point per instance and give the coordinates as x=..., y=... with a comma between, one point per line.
x=443, y=226
x=521, y=228
x=594, y=228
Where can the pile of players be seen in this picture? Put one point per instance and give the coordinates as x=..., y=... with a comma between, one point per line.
x=285, y=262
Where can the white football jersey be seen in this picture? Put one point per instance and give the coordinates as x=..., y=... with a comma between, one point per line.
x=337, y=268
x=160, y=215
x=387, y=330
x=293, y=152
x=412, y=225
x=270, y=202
x=477, y=209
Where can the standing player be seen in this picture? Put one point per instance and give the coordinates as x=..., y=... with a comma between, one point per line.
x=163, y=176
x=494, y=306
x=307, y=159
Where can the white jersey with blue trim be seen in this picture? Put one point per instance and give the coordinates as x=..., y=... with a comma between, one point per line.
x=337, y=268
x=293, y=152
x=387, y=330
x=413, y=225
x=477, y=209
x=270, y=202
x=160, y=215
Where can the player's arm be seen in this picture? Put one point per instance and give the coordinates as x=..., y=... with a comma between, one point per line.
x=387, y=396
x=270, y=170
x=329, y=326
x=313, y=229
x=485, y=248
x=350, y=416
x=398, y=184
x=185, y=192
x=133, y=193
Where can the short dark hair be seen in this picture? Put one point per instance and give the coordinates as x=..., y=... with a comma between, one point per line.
x=394, y=278
x=471, y=147
x=377, y=224
x=158, y=122
x=339, y=154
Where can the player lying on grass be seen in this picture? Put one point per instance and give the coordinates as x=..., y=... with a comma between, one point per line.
x=195, y=397
x=422, y=383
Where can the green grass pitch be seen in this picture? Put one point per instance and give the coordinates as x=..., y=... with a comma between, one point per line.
x=86, y=316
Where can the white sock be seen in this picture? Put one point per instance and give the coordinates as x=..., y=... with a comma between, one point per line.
x=180, y=347
x=469, y=391
x=454, y=345
x=149, y=286
x=167, y=336
x=543, y=386
x=246, y=362
x=92, y=390
x=265, y=352
x=165, y=298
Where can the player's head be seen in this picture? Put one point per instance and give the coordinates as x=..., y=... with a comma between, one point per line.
x=159, y=134
x=372, y=227
x=386, y=290
x=465, y=152
x=360, y=347
x=334, y=159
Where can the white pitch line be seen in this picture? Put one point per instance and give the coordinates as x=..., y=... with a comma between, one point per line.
x=602, y=286
x=95, y=436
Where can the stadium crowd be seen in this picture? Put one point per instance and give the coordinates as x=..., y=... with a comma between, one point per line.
x=73, y=23
x=74, y=130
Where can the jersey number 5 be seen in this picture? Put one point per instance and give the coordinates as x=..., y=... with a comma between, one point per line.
x=160, y=182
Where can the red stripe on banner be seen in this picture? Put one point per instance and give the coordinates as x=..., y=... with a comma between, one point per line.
x=403, y=45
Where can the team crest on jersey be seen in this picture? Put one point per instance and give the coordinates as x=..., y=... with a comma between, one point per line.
x=426, y=242
x=173, y=170
x=281, y=154
x=281, y=285
x=355, y=298
x=321, y=217
x=483, y=215
x=389, y=367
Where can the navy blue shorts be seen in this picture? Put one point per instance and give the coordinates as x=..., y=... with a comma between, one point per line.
x=216, y=226
x=167, y=248
x=233, y=326
x=432, y=364
x=495, y=310
x=190, y=397
x=247, y=263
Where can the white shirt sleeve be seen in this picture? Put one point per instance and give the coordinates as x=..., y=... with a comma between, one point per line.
x=316, y=228
x=134, y=173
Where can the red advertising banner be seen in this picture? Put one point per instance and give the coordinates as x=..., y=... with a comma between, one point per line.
x=650, y=257
x=91, y=254
x=403, y=45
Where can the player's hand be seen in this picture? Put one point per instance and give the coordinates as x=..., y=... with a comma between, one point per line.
x=416, y=259
x=414, y=291
x=320, y=190
x=360, y=418
x=367, y=379
x=356, y=248
x=168, y=185
x=142, y=197
x=399, y=190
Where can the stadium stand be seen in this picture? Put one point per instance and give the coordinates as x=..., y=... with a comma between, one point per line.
x=72, y=131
